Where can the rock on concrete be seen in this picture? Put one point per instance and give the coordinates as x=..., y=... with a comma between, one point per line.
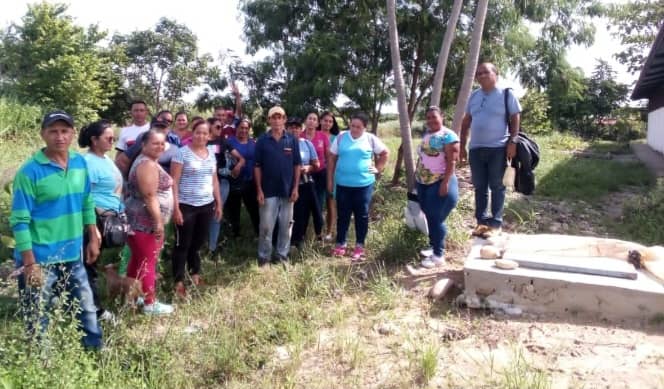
x=541, y=292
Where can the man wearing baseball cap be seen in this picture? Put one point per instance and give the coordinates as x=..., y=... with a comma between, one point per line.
x=277, y=175
x=51, y=207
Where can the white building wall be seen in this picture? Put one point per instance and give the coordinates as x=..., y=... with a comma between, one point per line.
x=656, y=130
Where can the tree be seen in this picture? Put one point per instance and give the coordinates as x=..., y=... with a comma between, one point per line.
x=321, y=50
x=404, y=120
x=605, y=97
x=535, y=117
x=471, y=64
x=444, y=53
x=49, y=61
x=161, y=65
x=635, y=25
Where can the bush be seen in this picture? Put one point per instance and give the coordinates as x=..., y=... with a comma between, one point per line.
x=17, y=118
x=535, y=113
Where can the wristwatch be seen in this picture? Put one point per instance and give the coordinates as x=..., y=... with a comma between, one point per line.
x=514, y=139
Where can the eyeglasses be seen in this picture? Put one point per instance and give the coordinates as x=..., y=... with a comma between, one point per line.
x=483, y=102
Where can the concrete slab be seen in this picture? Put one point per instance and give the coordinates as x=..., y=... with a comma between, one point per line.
x=653, y=160
x=553, y=292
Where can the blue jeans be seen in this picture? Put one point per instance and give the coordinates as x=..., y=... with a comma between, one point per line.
x=274, y=208
x=487, y=167
x=37, y=302
x=353, y=201
x=215, y=226
x=436, y=209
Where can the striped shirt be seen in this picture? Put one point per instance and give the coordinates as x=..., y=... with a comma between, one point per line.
x=50, y=207
x=196, y=182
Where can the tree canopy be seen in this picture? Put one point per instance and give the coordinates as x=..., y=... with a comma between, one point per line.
x=49, y=61
x=635, y=25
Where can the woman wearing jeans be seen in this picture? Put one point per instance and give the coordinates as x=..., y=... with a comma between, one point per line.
x=350, y=166
x=437, y=187
x=229, y=166
x=105, y=187
x=196, y=198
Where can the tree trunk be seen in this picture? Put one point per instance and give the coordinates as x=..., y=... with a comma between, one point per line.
x=443, y=56
x=417, y=68
x=404, y=122
x=397, y=166
x=471, y=64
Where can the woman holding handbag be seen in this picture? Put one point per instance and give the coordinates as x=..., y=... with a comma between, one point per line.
x=437, y=187
x=106, y=191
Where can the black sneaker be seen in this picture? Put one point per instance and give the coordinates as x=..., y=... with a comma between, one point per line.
x=263, y=262
x=277, y=259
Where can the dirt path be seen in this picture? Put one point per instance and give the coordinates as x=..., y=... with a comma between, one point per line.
x=476, y=349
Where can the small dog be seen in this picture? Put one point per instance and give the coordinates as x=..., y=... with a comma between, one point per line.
x=126, y=287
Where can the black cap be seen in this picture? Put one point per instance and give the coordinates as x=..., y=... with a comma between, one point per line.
x=294, y=121
x=54, y=116
x=159, y=124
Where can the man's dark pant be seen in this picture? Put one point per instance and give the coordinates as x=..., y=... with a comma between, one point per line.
x=234, y=203
x=487, y=166
x=306, y=204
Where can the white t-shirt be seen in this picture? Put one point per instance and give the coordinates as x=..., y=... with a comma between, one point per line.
x=129, y=134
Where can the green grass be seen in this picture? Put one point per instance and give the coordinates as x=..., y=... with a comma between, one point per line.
x=229, y=333
x=643, y=217
x=561, y=175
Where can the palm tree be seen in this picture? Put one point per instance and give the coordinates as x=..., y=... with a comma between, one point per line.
x=404, y=121
x=444, y=52
x=471, y=64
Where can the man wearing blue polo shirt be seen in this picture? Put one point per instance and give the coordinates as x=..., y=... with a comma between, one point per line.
x=276, y=172
x=492, y=142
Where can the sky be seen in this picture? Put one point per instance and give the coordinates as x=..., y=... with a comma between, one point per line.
x=218, y=26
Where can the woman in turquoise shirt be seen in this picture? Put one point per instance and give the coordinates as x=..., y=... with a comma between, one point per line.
x=351, y=167
x=105, y=187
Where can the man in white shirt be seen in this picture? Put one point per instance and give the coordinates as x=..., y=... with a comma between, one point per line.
x=139, y=115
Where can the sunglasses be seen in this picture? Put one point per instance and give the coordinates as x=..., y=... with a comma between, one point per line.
x=217, y=126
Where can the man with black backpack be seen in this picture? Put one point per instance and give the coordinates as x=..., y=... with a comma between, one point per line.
x=492, y=143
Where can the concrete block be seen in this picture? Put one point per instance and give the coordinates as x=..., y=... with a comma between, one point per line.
x=553, y=292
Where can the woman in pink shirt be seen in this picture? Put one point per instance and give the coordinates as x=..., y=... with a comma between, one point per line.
x=437, y=188
x=321, y=142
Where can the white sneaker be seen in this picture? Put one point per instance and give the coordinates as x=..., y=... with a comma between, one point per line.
x=328, y=238
x=433, y=261
x=426, y=252
x=158, y=308
x=109, y=317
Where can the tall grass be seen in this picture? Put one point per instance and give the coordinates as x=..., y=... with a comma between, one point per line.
x=16, y=119
x=234, y=332
x=643, y=217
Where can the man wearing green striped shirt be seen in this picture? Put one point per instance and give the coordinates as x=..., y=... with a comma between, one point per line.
x=51, y=207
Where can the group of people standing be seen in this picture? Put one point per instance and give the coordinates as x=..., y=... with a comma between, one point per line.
x=179, y=177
